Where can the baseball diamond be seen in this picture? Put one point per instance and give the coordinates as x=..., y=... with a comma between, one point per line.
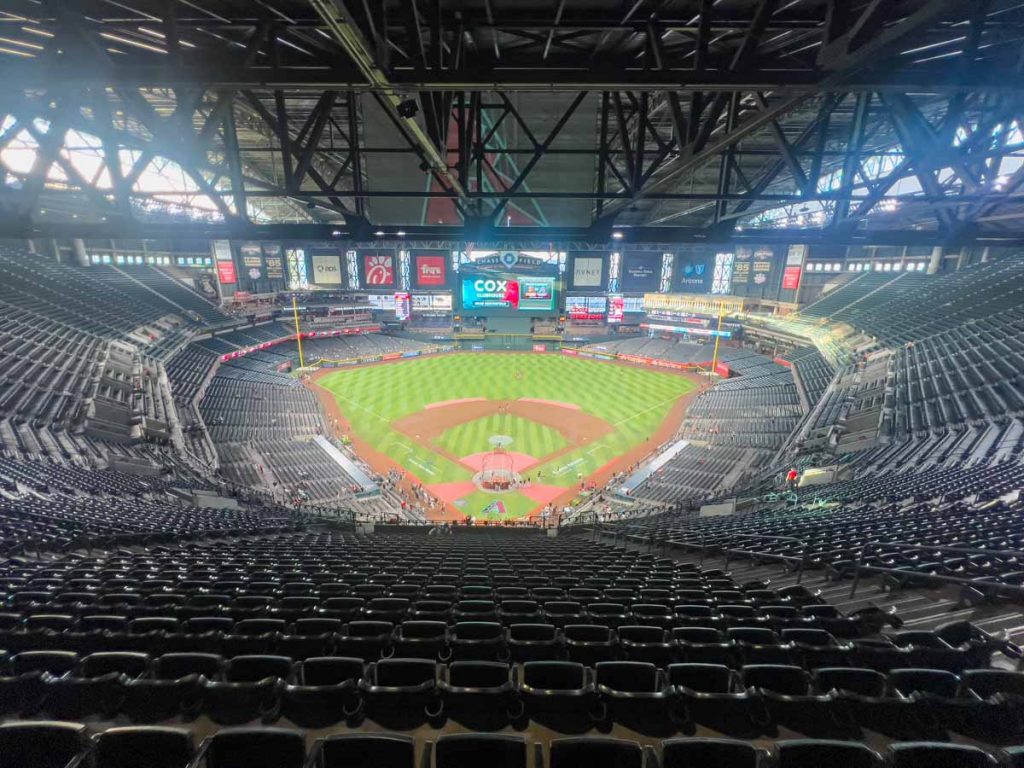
x=559, y=422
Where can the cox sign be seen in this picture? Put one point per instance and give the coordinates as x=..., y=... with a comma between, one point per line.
x=490, y=293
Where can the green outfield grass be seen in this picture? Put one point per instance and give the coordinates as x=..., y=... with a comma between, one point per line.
x=633, y=401
x=527, y=436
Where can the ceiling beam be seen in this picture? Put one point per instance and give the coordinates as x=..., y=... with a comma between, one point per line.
x=31, y=74
x=343, y=28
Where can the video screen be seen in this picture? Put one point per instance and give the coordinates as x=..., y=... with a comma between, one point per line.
x=518, y=293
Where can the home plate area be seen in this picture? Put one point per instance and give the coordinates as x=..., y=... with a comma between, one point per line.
x=511, y=447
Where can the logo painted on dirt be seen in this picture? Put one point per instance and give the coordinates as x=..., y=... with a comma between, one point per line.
x=379, y=270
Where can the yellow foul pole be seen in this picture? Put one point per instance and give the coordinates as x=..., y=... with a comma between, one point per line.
x=298, y=333
x=718, y=337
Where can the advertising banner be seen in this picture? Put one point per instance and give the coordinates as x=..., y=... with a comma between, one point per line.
x=540, y=348
x=382, y=301
x=429, y=270
x=741, y=267
x=587, y=271
x=616, y=309
x=252, y=260
x=403, y=306
x=795, y=256
x=586, y=307
x=274, y=262
x=641, y=272
x=378, y=270
x=226, y=272
x=791, y=278
x=694, y=272
x=515, y=293
x=326, y=269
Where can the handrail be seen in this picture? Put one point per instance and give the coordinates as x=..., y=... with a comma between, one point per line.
x=803, y=552
x=940, y=549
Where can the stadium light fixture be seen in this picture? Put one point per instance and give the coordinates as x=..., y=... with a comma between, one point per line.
x=379, y=233
x=400, y=233
x=617, y=235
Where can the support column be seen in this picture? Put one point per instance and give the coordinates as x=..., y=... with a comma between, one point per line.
x=963, y=258
x=80, y=255
x=935, y=262
x=984, y=254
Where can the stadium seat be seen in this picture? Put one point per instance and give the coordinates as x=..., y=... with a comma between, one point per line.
x=646, y=643
x=589, y=644
x=420, y=639
x=363, y=750
x=596, y=752
x=1014, y=757
x=42, y=744
x=709, y=696
x=173, y=688
x=464, y=750
x=534, y=642
x=250, y=689
x=811, y=753
x=400, y=693
x=150, y=746
x=254, y=748
x=479, y=694
x=364, y=639
x=914, y=754
x=635, y=694
x=712, y=753
x=93, y=687
x=477, y=640
x=558, y=693
x=325, y=691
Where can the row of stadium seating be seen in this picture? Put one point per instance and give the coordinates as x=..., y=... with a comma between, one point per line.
x=178, y=293
x=874, y=520
x=568, y=697
x=812, y=372
x=309, y=631
x=737, y=425
x=259, y=418
x=695, y=472
x=915, y=306
x=56, y=745
x=848, y=293
x=963, y=375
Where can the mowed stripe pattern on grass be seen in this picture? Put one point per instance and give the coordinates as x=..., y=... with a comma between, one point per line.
x=634, y=401
x=527, y=436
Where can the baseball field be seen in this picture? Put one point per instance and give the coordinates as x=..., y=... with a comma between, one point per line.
x=550, y=421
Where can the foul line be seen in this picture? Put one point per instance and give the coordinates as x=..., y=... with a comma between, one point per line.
x=426, y=468
x=357, y=405
x=566, y=467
